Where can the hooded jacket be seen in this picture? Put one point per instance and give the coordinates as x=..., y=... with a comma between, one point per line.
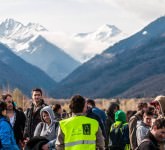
x=141, y=131
x=119, y=132
x=161, y=100
x=48, y=131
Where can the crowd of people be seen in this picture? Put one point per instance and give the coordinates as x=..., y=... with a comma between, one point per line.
x=85, y=127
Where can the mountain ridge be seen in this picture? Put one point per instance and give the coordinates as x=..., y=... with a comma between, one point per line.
x=24, y=41
x=120, y=67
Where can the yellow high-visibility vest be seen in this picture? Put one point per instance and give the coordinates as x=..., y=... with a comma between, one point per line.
x=79, y=133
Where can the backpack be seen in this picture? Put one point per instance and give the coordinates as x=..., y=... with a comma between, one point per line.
x=119, y=136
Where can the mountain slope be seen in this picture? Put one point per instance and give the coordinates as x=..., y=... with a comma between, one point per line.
x=28, y=43
x=17, y=73
x=51, y=59
x=121, y=67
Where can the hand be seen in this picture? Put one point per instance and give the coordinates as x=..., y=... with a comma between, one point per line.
x=26, y=140
x=21, y=144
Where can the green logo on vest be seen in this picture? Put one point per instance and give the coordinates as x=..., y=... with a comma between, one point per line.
x=86, y=129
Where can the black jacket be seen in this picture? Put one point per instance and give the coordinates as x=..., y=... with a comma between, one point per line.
x=32, y=119
x=150, y=143
x=19, y=125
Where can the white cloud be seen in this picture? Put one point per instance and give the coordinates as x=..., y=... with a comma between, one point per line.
x=74, y=16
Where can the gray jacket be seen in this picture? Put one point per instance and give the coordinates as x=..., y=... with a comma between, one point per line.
x=48, y=131
x=141, y=131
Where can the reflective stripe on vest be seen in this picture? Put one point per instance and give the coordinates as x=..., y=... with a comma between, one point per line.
x=79, y=133
x=80, y=142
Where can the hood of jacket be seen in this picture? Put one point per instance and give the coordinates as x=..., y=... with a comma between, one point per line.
x=49, y=110
x=161, y=100
x=120, y=116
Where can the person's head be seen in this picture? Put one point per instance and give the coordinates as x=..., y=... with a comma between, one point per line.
x=3, y=108
x=147, y=117
x=36, y=143
x=142, y=106
x=57, y=108
x=20, y=109
x=8, y=100
x=78, y=104
x=47, y=114
x=46, y=117
x=129, y=114
x=158, y=129
x=159, y=104
x=91, y=103
x=113, y=107
x=36, y=96
x=120, y=116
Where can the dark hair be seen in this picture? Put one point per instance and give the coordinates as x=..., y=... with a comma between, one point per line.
x=152, y=109
x=3, y=106
x=77, y=104
x=37, y=90
x=6, y=95
x=92, y=102
x=110, y=110
x=141, y=105
x=56, y=107
x=36, y=143
x=20, y=109
x=129, y=114
x=148, y=112
x=159, y=123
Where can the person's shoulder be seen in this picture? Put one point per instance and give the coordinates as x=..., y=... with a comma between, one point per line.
x=4, y=122
x=146, y=144
x=135, y=117
x=19, y=112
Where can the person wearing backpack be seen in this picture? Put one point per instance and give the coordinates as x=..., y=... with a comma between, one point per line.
x=48, y=128
x=119, y=132
x=133, y=123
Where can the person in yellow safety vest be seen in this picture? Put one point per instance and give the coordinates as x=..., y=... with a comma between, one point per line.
x=79, y=132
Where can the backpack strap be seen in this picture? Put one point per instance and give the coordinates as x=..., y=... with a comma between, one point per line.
x=56, y=125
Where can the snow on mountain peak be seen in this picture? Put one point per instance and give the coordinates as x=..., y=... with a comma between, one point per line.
x=37, y=27
x=17, y=36
x=110, y=29
x=9, y=26
x=105, y=32
x=101, y=34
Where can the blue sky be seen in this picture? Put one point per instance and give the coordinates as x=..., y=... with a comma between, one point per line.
x=73, y=16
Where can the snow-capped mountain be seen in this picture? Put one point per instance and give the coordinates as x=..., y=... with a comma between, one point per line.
x=18, y=36
x=83, y=46
x=97, y=41
x=103, y=34
x=27, y=41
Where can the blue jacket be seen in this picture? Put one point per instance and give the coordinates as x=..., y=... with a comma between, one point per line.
x=7, y=136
